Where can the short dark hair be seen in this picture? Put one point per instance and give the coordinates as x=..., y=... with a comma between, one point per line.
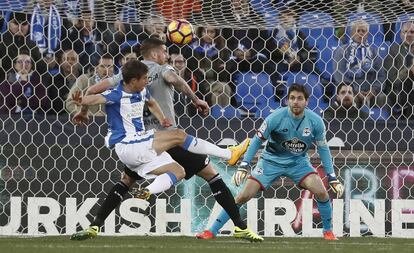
x=299, y=88
x=133, y=69
x=340, y=87
x=149, y=45
x=107, y=56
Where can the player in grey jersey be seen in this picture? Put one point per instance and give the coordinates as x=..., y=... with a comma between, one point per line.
x=162, y=81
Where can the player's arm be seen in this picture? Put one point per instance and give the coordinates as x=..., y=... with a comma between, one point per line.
x=326, y=158
x=180, y=84
x=88, y=100
x=81, y=117
x=155, y=109
x=244, y=168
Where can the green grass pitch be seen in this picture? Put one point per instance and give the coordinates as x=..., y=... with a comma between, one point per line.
x=138, y=244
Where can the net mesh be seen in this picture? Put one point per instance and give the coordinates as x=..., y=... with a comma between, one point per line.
x=244, y=57
x=229, y=13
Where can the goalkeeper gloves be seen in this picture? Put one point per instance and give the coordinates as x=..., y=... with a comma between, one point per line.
x=241, y=174
x=335, y=185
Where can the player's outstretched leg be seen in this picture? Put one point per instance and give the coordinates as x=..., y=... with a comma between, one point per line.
x=165, y=140
x=89, y=233
x=247, y=234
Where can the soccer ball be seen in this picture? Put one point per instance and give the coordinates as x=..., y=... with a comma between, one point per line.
x=180, y=31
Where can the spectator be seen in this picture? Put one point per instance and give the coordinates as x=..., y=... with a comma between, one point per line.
x=23, y=91
x=220, y=94
x=103, y=70
x=291, y=51
x=126, y=54
x=61, y=83
x=85, y=40
x=344, y=105
x=46, y=36
x=15, y=39
x=207, y=52
x=398, y=65
x=194, y=79
x=358, y=64
x=153, y=26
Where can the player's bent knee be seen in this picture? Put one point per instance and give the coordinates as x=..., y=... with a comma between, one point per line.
x=321, y=195
x=127, y=180
x=179, y=172
x=208, y=172
x=179, y=136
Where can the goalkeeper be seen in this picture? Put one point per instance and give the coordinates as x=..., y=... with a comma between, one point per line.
x=289, y=133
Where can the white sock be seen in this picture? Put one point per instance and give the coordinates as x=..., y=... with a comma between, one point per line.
x=200, y=146
x=162, y=182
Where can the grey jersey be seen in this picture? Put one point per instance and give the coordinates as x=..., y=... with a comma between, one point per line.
x=161, y=91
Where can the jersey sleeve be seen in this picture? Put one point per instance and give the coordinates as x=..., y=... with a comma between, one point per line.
x=112, y=96
x=114, y=80
x=262, y=134
x=147, y=94
x=322, y=146
x=266, y=127
x=167, y=67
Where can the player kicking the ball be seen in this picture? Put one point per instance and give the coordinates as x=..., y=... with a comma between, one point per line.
x=144, y=151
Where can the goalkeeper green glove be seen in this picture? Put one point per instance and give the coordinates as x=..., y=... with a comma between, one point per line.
x=335, y=185
x=241, y=174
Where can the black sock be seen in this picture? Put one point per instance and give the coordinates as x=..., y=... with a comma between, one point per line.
x=224, y=197
x=114, y=198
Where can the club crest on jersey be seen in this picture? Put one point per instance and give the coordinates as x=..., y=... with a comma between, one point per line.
x=306, y=131
x=294, y=145
x=258, y=171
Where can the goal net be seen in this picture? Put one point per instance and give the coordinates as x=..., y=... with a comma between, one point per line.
x=355, y=58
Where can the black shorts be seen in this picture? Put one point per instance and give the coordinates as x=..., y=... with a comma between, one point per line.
x=192, y=163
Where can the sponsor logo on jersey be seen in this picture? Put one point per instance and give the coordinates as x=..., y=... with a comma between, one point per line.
x=152, y=78
x=295, y=145
x=306, y=131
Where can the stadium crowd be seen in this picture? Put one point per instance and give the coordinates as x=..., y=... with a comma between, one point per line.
x=364, y=70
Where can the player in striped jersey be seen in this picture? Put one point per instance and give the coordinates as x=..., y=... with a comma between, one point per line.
x=163, y=81
x=144, y=151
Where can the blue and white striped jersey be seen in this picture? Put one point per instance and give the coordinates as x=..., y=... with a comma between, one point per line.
x=125, y=114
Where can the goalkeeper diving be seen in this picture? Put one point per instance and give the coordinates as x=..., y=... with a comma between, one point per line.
x=289, y=132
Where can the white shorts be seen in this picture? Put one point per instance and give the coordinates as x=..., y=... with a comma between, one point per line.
x=139, y=156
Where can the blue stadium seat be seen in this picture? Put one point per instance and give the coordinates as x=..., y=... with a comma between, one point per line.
x=377, y=113
x=398, y=24
x=325, y=61
x=267, y=110
x=227, y=112
x=253, y=90
x=376, y=30
x=129, y=43
x=316, y=35
x=323, y=39
x=312, y=82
